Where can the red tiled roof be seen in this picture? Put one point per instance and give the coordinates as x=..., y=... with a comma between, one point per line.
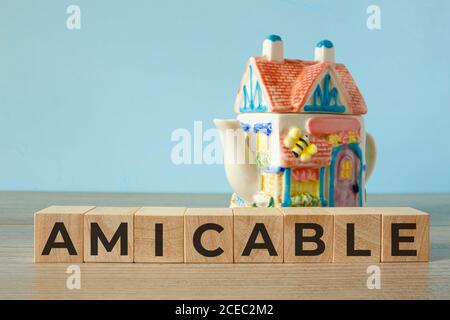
x=289, y=83
x=321, y=159
x=352, y=93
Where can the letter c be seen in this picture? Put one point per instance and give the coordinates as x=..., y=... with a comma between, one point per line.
x=198, y=237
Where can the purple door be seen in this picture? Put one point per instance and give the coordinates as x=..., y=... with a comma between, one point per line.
x=346, y=172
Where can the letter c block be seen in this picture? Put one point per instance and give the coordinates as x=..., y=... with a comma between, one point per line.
x=208, y=235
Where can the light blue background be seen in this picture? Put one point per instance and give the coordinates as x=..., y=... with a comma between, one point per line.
x=93, y=109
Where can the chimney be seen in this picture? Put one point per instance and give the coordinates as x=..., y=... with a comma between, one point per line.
x=324, y=51
x=273, y=48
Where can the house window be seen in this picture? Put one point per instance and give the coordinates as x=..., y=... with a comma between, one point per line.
x=346, y=170
x=261, y=142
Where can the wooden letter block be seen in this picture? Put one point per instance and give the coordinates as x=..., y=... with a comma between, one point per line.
x=108, y=234
x=258, y=235
x=58, y=234
x=405, y=234
x=357, y=234
x=158, y=235
x=308, y=235
x=208, y=235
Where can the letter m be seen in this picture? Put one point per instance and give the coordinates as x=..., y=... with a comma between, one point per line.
x=121, y=233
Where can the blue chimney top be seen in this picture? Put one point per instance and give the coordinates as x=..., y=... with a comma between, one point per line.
x=325, y=43
x=273, y=37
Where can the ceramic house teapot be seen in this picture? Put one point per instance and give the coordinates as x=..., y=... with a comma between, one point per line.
x=299, y=138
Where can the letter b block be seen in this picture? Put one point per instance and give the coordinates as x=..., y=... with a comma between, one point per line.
x=58, y=234
x=108, y=234
x=308, y=235
x=208, y=235
x=258, y=235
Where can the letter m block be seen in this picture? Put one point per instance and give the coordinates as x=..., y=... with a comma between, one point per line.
x=108, y=234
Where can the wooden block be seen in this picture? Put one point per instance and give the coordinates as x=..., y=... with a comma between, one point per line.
x=308, y=235
x=357, y=234
x=108, y=234
x=405, y=235
x=158, y=235
x=208, y=235
x=258, y=235
x=58, y=234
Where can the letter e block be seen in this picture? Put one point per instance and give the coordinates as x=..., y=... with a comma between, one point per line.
x=58, y=234
x=159, y=234
x=258, y=235
x=357, y=234
x=108, y=234
x=308, y=235
x=208, y=235
x=405, y=234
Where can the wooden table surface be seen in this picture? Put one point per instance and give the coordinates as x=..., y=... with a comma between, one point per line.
x=20, y=278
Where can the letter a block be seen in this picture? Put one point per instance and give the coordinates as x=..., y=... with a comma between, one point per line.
x=357, y=234
x=308, y=235
x=58, y=234
x=208, y=235
x=108, y=234
x=158, y=235
x=405, y=234
x=258, y=235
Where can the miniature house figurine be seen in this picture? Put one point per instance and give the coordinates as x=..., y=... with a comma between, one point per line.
x=300, y=132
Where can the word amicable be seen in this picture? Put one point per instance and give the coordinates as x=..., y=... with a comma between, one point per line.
x=224, y=235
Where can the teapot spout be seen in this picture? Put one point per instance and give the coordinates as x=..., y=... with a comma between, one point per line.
x=239, y=159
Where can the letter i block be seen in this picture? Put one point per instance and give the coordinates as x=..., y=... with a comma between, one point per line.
x=208, y=235
x=108, y=234
x=258, y=235
x=308, y=235
x=405, y=234
x=159, y=235
x=58, y=234
x=357, y=234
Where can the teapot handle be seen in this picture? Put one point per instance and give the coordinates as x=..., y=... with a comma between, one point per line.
x=371, y=154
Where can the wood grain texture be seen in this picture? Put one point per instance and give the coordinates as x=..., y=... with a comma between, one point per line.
x=366, y=224
x=218, y=243
x=246, y=220
x=171, y=221
x=109, y=220
x=21, y=278
x=416, y=241
x=317, y=216
x=71, y=218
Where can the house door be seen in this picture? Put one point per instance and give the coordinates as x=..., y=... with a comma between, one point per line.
x=346, y=172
